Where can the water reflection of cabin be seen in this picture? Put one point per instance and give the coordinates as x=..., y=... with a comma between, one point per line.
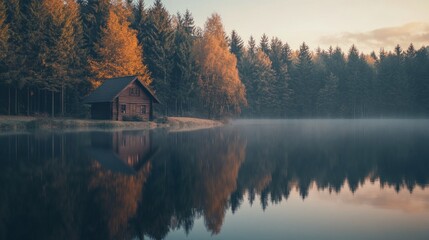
x=124, y=151
x=122, y=97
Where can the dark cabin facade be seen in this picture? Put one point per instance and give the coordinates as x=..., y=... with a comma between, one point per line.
x=122, y=97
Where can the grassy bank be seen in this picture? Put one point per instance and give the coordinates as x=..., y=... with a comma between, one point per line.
x=19, y=123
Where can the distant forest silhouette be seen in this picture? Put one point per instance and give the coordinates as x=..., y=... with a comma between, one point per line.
x=53, y=53
x=110, y=185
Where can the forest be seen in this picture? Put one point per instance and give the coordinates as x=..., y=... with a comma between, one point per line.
x=53, y=53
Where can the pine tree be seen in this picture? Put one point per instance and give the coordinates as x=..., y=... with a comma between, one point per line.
x=264, y=44
x=281, y=91
x=411, y=68
x=140, y=21
x=393, y=85
x=303, y=84
x=119, y=51
x=236, y=45
x=421, y=82
x=95, y=14
x=259, y=78
x=4, y=50
x=30, y=51
x=351, y=89
x=63, y=58
x=158, y=37
x=183, y=77
x=252, y=46
x=327, y=102
x=222, y=92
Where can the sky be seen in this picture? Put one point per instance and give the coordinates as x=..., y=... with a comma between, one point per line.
x=369, y=24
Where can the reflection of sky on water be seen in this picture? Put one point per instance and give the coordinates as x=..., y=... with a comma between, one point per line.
x=371, y=212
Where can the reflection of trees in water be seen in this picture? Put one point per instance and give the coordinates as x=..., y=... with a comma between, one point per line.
x=52, y=189
x=283, y=158
x=117, y=197
x=111, y=185
x=193, y=177
x=217, y=173
x=41, y=187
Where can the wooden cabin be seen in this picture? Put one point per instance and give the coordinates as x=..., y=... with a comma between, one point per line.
x=122, y=97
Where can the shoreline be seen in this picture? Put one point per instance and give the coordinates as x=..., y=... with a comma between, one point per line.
x=13, y=124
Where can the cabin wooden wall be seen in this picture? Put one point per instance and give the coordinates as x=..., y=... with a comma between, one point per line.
x=133, y=103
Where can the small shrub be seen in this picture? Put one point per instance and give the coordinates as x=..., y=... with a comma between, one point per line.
x=161, y=120
x=132, y=118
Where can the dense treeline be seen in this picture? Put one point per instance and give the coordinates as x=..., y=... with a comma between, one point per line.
x=330, y=83
x=54, y=52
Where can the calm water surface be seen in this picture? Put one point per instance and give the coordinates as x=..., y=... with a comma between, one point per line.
x=252, y=179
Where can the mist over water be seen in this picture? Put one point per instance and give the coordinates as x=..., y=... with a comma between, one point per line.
x=252, y=179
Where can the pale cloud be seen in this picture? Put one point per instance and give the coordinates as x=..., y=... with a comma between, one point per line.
x=371, y=194
x=388, y=37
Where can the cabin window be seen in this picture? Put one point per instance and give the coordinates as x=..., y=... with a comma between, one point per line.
x=143, y=109
x=134, y=92
x=123, y=108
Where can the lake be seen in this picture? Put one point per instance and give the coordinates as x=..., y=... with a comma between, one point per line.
x=250, y=179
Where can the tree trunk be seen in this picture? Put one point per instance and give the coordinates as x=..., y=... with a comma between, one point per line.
x=38, y=101
x=16, y=101
x=62, y=100
x=8, y=107
x=53, y=105
x=28, y=101
x=45, y=107
x=52, y=144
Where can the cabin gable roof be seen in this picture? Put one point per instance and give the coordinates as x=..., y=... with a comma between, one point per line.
x=111, y=88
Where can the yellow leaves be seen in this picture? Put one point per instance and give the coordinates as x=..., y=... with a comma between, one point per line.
x=4, y=31
x=55, y=9
x=119, y=51
x=221, y=87
x=263, y=59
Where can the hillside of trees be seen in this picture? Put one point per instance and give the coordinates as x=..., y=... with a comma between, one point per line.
x=53, y=53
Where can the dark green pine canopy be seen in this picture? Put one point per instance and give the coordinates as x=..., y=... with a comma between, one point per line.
x=112, y=87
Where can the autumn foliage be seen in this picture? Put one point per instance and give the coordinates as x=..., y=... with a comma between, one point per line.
x=119, y=51
x=221, y=89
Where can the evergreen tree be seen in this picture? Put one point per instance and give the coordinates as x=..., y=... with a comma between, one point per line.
x=236, y=45
x=222, y=92
x=94, y=14
x=259, y=79
x=158, y=49
x=119, y=51
x=183, y=77
x=421, y=82
x=287, y=56
x=4, y=50
x=327, y=102
x=351, y=84
x=252, y=46
x=140, y=21
x=280, y=89
x=63, y=61
x=303, y=84
x=264, y=44
x=392, y=81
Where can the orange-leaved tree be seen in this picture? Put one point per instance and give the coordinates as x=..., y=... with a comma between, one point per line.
x=119, y=51
x=222, y=91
